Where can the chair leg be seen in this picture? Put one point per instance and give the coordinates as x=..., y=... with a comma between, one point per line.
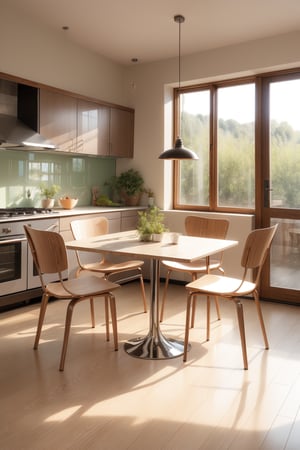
x=187, y=325
x=143, y=293
x=43, y=308
x=68, y=321
x=207, y=317
x=194, y=278
x=261, y=319
x=113, y=312
x=240, y=314
x=217, y=307
x=164, y=296
x=92, y=312
x=106, y=312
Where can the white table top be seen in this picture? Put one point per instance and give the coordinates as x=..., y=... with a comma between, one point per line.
x=188, y=249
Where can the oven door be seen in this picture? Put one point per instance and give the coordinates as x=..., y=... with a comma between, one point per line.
x=13, y=262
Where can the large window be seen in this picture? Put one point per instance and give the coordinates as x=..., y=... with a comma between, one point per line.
x=195, y=130
x=218, y=123
x=284, y=142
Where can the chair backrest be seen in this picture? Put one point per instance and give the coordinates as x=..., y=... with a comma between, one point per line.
x=86, y=228
x=256, y=249
x=204, y=227
x=48, y=251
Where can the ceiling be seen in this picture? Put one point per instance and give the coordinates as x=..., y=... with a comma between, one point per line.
x=145, y=29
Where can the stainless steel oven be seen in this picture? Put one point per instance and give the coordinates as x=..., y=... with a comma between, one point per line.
x=17, y=272
x=13, y=259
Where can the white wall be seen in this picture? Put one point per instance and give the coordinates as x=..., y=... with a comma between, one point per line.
x=150, y=93
x=33, y=52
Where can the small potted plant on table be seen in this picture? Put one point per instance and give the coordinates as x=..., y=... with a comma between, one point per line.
x=151, y=224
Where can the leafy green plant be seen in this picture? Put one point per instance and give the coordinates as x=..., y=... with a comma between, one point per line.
x=49, y=191
x=128, y=187
x=131, y=182
x=151, y=221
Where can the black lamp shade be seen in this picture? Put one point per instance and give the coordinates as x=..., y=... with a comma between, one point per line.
x=178, y=152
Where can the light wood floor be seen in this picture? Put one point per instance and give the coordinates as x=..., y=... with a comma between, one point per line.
x=106, y=400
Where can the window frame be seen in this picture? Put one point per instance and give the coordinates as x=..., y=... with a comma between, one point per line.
x=213, y=145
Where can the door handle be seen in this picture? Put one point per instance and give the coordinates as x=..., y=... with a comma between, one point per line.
x=267, y=189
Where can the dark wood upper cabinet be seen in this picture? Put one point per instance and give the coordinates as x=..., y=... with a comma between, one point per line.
x=92, y=128
x=121, y=133
x=58, y=119
x=76, y=125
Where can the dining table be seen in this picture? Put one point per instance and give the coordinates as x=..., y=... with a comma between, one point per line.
x=155, y=345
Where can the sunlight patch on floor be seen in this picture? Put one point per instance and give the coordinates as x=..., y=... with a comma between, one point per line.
x=30, y=331
x=63, y=415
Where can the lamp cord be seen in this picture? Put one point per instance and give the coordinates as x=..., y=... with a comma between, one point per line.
x=179, y=57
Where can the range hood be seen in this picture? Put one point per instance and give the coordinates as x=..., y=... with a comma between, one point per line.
x=16, y=135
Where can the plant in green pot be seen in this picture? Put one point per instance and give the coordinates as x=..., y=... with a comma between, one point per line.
x=151, y=224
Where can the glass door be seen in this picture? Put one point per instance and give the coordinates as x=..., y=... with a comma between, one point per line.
x=281, y=185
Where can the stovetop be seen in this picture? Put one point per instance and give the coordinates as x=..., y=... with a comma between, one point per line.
x=23, y=211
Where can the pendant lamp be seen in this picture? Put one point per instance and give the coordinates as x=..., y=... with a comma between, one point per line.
x=179, y=151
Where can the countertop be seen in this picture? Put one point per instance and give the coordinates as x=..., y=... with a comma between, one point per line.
x=79, y=210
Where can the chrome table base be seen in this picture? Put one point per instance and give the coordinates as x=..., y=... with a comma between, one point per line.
x=155, y=345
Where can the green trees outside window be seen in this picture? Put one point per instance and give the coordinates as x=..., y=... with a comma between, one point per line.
x=223, y=136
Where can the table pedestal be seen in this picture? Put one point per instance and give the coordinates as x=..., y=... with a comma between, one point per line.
x=155, y=345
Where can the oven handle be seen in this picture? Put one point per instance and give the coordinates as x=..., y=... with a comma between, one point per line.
x=13, y=239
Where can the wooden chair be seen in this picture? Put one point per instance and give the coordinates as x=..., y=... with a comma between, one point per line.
x=50, y=257
x=96, y=226
x=200, y=227
x=254, y=254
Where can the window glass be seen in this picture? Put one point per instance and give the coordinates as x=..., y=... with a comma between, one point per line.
x=193, y=179
x=236, y=146
x=285, y=143
x=226, y=152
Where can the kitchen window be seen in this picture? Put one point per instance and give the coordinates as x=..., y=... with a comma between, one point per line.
x=218, y=123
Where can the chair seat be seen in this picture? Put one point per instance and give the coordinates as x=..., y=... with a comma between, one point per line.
x=108, y=267
x=81, y=287
x=221, y=286
x=196, y=266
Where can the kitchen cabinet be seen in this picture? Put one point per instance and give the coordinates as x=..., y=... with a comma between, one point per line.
x=58, y=119
x=121, y=133
x=92, y=128
x=129, y=220
x=104, y=130
x=76, y=125
x=84, y=127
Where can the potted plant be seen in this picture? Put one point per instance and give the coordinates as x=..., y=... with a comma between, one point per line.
x=150, y=196
x=151, y=224
x=130, y=186
x=48, y=193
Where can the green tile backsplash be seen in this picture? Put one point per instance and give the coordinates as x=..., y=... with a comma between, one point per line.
x=21, y=174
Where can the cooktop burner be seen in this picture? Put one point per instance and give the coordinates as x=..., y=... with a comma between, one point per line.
x=23, y=211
